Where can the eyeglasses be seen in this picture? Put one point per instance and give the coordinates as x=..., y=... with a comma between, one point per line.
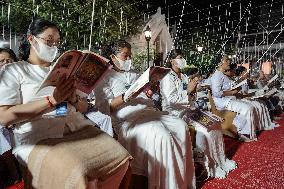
x=50, y=42
x=5, y=61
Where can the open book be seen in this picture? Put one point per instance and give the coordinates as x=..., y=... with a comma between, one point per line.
x=87, y=68
x=270, y=83
x=244, y=82
x=263, y=93
x=151, y=76
x=272, y=79
x=207, y=120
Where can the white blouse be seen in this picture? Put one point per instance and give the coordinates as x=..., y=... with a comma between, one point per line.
x=220, y=83
x=174, y=92
x=19, y=83
x=114, y=85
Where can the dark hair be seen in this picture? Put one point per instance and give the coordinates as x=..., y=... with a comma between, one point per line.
x=36, y=27
x=240, y=70
x=10, y=52
x=191, y=71
x=210, y=71
x=114, y=48
x=233, y=67
x=172, y=55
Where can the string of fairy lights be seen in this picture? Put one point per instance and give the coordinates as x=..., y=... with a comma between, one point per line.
x=229, y=35
x=66, y=14
x=219, y=20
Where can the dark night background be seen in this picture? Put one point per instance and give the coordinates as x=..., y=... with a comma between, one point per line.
x=260, y=16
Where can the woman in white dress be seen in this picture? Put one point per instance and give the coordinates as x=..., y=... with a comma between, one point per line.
x=49, y=147
x=265, y=122
x=176, y=91
x=159, y=143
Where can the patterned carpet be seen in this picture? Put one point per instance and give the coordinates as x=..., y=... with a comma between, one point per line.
x=260, y=163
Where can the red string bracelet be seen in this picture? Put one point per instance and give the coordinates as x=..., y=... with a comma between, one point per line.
x=49, y=102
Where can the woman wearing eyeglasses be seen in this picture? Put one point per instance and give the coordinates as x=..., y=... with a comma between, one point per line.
x=57, y=153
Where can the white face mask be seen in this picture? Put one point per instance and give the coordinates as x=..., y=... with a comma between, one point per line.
x=124, y=65
x=181, y=63
x=44, y=51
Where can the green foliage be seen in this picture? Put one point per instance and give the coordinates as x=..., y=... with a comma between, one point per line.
x=74, y=19
x=212, y=46
x=139, y=59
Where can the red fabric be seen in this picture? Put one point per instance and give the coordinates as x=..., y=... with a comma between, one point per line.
x=260, y=163
x=19, y=185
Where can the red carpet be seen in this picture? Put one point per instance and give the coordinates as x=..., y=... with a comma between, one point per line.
x=17, y=186
x=260, y=163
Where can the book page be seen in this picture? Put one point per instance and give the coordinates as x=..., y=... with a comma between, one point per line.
x=205, y=119
x=65, y=64
x=90, y=72
x=149, y=77
x=264, y=94
x=138, y=84
x=86, y=68
x=240, y=84
x=272, y=79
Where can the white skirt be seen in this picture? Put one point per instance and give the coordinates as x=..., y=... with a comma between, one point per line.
x=161, y=147
x=265, y=122
x=246, y=120
x=212, y=145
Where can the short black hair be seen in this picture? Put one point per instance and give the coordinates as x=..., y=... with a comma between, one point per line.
x=114, y=48
x=240, y=70
x=10, y=52
x=172, y=55
x=233, y=67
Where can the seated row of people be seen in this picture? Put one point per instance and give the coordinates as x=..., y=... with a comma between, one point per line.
x=176, y=92
x=251, y=115
x=156, y=144
x=160, y=144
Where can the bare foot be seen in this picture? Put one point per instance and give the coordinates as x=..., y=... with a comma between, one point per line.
x=243, y=138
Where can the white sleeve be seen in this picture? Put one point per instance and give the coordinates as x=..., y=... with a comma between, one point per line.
x=170, y=92
x=103, y=95
x=10, y=87
x=216, y=85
